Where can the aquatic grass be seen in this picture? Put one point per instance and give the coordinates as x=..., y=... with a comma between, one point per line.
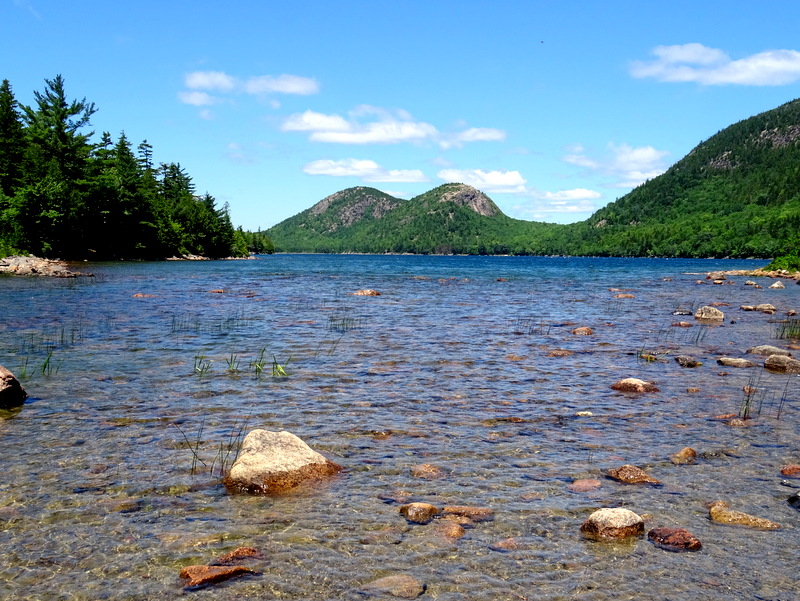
x=25, y=372
x=48, y=369
x=788, y=329
x=278, y=370
x=529, y=326
x=783, y=399
x=194, y=447
x=257, y=365
x=228, y=450
x=202, y=365
x=754, y=396
x=232, y=361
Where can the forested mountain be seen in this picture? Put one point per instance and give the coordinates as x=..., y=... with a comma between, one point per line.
x=61, y=195
x=735, y=195
x=453, y=218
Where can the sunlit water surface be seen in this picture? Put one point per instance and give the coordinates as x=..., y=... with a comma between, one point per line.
x=102, y=496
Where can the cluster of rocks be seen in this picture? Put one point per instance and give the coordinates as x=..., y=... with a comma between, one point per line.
x=30, y=265
x=616, y=523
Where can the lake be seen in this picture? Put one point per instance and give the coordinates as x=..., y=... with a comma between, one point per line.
x=143, y=378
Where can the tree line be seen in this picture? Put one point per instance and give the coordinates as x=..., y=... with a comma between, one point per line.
x=61, y=195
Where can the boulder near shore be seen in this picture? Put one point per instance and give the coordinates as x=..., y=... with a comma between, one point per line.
x=12, y=394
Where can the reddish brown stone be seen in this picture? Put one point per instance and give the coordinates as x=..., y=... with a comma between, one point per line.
x=237, y=555
x=427, y=471
x=475, y=514
x=217, y=291
x=505, y=545
x=449, y=529
x=584, y=485
x=140, y=295
x=12, y=394
x=719, y=511
x=583, y=331
x=419, y=513
x=197, y=576
x=791, y=471
x=674, y=539
x=684, y=456
x=560, y=353
x=630, y=474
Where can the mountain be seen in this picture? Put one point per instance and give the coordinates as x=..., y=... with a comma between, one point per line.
x=736, y=194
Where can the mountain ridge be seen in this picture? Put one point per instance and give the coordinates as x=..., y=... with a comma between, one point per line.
x=736, y=194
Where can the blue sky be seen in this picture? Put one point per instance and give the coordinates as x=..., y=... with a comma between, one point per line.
x=553, y=109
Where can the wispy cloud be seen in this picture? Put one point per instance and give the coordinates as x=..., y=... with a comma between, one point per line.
x=204, y=88
x=710, y=66
x=628, y=166
x=27, y=5
x=366, y=170
x=501, y=182
x=367, y=124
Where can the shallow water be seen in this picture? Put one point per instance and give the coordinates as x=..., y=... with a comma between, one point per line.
x=103, y=498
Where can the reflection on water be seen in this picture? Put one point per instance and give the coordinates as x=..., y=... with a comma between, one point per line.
x=111, y=468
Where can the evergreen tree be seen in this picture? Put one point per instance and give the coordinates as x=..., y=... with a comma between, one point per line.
x=12, y=141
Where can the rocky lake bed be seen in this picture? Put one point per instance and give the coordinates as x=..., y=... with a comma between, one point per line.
x=496, y=428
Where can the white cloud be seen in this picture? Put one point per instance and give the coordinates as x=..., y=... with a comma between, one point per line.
x=368, y=171
x=315, y=122
x=628, y=165
x=500, y=182
x=197, y=98
x=711, y=66
x=472, y=134
x=562, y=197
x=367, y=124
x=199, y=83
x=210, y=80
x=283, y=84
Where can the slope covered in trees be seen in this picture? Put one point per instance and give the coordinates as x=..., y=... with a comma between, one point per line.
x=736, y=194
x=61, y=195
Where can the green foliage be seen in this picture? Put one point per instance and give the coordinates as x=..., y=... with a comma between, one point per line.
x=61, y=195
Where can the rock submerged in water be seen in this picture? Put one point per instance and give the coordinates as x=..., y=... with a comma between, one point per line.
x=720, y=512
x=674, y=539
x=397, y=585
x=630, y=474
x=783, y=364
x=419, y=513
x=709, y=314
x=198, y=576
x=687, y=361
x=767, y=349
x=366, y=292
x=634, y=385
x=612, y=524
x=735, y=362
x=12, y=394
x=685, y=456
x=791, y=471
x=583, y=331
x=274, y=462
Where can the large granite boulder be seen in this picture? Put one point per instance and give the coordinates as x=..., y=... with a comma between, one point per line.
x=274, y=462
x=12, y=394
